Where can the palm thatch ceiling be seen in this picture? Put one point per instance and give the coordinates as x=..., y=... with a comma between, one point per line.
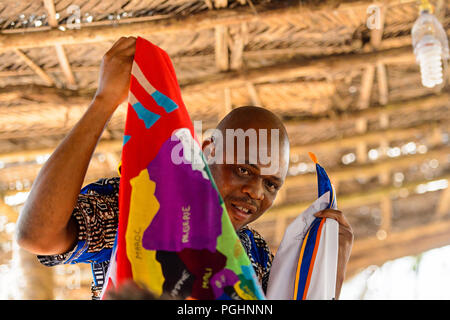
x=348, y=91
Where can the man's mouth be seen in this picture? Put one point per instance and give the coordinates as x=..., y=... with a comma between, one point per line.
x=245, y=210
x=242, y=211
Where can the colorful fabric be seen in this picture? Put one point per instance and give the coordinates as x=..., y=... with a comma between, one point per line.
x=98, y=206
x=305, y=265
x=174, y=236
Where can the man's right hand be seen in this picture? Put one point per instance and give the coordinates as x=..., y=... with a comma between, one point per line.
x=115, y=72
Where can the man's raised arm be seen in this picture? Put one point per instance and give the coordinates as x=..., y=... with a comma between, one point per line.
x=45, y=225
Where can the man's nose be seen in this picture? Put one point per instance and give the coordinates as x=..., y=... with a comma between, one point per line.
x=254, y=189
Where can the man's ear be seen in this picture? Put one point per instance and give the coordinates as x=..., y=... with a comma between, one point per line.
x=208, y=148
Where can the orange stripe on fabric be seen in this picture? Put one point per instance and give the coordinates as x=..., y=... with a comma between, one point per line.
x=313, y=258
x=299, y=264
x=332, y=197
x=313, y=157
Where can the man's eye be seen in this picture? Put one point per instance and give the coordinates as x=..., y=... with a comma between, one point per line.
x=272, y=186
x=243, y=171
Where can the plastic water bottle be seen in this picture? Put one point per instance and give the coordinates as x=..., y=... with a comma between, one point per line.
x=430, y=48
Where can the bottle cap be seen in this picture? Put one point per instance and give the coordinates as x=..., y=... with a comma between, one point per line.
x=425, y=6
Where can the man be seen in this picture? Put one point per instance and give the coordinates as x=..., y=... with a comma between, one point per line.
x=63, y=225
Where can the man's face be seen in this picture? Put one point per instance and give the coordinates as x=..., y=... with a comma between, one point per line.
x=246, y=191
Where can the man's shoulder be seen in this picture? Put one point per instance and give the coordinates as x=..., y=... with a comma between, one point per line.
x=255, y=233
x=251, y=238
x=251, y=232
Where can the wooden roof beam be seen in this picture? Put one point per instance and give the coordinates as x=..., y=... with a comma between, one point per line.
x=308, y=67
x=51, y=12
x=65, y=98
x=366, y=87
x=374, y=169
x=204, y=20
x=220, y=4
x=378, y=138
x=295, y=69
x=369, y=138
x=421, y=103
x=237, y=44
x=412, y=241
x=221, y=48
x=209, y=4
x=444, y=203
x=344, y=201
x=20, y=73
x=8, y=211
x=382, y=80
x=60, y=53
x=42, y=94
x=65, y=66
x=292, y=182
x=33, y=66
x=254, y=97
x=376, y=29
x=50, y=95
x=227, y=104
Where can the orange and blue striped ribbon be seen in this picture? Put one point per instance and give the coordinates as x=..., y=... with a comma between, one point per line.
x=311, y=241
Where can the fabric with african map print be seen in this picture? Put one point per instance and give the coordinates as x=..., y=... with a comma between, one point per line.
x=175, y=236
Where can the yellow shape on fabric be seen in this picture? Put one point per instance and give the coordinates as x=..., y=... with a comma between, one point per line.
x=143, y=207
x=238, y=250
x=245, y=293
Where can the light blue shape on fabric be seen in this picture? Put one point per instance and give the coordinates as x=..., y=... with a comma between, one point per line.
x=126, y=139
x=164, y=101
x=249, y=274
x=145, y=115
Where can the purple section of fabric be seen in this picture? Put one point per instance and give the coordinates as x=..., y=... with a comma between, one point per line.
x=190, y=213
x=222, y=279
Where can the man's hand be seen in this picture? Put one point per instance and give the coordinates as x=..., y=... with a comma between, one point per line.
x=46, y=225
x=115, y=71
x=345, y=243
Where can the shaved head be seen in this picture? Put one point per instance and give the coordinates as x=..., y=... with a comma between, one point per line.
x=253, y=161
x=252, y=117
x=258, y=120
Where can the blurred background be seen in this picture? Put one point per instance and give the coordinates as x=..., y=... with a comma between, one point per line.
x=343, y=76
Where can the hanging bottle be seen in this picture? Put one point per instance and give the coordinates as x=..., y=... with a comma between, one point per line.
x=430, y=45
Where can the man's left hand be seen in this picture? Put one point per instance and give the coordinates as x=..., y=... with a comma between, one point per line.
x=345, y=243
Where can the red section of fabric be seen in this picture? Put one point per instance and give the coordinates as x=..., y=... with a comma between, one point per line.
x=144, y=143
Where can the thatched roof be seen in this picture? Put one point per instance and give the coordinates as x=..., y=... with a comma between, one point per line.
x=347, y=91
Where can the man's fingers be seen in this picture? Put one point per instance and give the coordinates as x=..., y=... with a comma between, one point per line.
x=344, y=227
x=123, y=44
x=118, y=43
x=130, y=50
x=333, y=214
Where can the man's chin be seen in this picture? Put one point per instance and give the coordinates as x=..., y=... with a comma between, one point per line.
x=237, y=223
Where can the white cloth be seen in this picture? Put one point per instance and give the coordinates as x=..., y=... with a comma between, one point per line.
x=323, y=278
